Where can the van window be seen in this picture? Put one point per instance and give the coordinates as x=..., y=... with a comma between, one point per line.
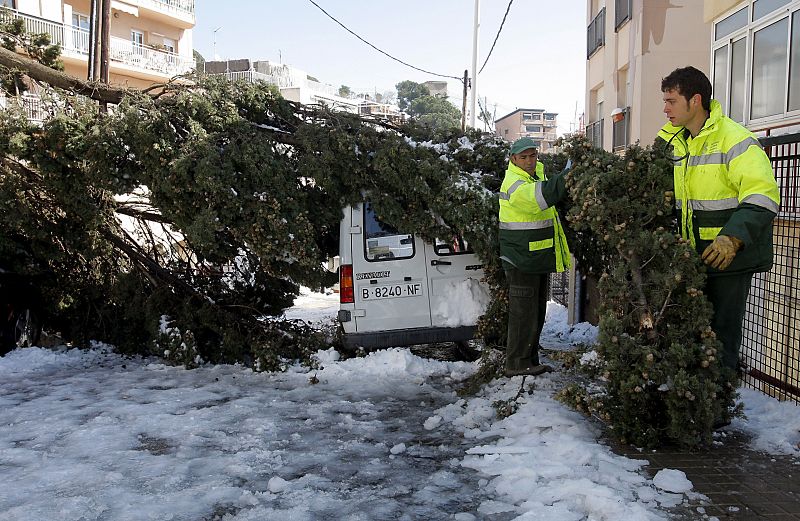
x=455, y=246
x=383, y=242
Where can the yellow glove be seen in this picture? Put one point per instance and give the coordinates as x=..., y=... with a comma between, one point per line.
x=720, y=253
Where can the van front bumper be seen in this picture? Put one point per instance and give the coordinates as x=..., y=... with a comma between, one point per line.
x=408, y=337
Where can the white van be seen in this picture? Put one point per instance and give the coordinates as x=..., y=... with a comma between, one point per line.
x=398, y=290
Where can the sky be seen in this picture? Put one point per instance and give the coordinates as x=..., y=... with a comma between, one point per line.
x=91, y=435
x=539, y=60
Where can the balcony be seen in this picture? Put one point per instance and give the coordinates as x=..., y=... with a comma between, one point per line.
x=596, y=33
x=594, y=133
x=180, y=12
x=74, y=43
x=181, y=7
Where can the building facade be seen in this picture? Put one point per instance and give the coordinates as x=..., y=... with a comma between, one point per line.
x=151, y=40
x=534, y=123
x=631, y=46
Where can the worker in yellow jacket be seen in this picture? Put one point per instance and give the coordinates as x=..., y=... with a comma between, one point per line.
x=726, y=198
x=532, y=246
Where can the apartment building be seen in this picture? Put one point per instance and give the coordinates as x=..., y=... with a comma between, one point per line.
x=631, y=46
x=296, y=85
x=151, y=40
x=534, y=123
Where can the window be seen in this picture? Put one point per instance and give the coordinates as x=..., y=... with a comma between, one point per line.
x=455, y=246
x=533, y=128
x=8, y=3
x=80, y=32
x=622, y=12
x=621, y=133
x=762, y=8
x=169, y=45
x=549, y=117
x=794, y=64
x=527, y=115
x=596, y=33
x=137, y=37
x=81, y=21
x=756, y=64
x=383, y=242
x=730, y=24
x=769, y=70
x=537, y=116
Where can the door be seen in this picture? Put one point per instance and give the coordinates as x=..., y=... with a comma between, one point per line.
x=457, y=294
x=389, y=276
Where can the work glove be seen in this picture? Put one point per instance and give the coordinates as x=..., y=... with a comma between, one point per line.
x=720, y=253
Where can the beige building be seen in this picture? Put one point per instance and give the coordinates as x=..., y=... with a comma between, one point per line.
x=534, y=123
x=755, y=71
x=151, y=40
x=631, y=46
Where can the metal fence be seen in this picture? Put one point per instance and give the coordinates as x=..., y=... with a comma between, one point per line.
x=771, y=331
x=559, y=288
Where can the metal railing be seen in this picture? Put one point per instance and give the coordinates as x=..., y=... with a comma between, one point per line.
x=596, y=33
x=771, y=329
x=180, y=6
x=594, y=133
x=31, y=105
x=75, y=41
x=137, y=55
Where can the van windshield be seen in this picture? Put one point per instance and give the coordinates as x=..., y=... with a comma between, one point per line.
x=384, y=242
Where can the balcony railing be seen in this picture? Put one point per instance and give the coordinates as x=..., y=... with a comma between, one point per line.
x=31, y=104
x=596, y=33
x=74, y=41
x=178, y=6
x=594, y=133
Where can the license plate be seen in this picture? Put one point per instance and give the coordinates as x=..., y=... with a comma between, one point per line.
x=408, y=289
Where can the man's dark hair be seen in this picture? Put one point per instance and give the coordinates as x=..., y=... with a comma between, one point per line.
x=689, y=81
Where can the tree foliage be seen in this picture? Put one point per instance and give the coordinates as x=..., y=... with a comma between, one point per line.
x=186, y=220
x=657, y=355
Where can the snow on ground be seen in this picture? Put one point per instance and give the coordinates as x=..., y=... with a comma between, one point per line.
x=91, y=435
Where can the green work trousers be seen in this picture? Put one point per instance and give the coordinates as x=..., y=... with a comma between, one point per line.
x=728, y=294
x=527, y=306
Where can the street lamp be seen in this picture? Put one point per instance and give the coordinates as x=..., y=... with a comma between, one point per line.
x=216, y=58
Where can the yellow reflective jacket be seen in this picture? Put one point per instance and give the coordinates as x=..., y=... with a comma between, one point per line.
x=724, y=184
x=531, y=236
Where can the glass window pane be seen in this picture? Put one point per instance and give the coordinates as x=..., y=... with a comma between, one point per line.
x=383, y=242
x=735, y=21
x=720, y=92
x=764, y=7
x=738, y=60
x=794, y=64
x=769, y=70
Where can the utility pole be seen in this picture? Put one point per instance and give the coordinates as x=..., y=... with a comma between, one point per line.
x=105, y=41
x=476, y=26
x=90, y=74
x=464, y=104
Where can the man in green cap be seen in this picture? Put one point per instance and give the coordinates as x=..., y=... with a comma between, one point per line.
x=532, y=245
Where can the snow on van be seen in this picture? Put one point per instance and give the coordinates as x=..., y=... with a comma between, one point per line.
x=396, y=289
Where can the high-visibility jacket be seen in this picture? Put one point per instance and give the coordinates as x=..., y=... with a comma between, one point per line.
x=531, y=236
x=724, y=185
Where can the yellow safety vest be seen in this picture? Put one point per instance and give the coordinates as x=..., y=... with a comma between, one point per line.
x=531, y=236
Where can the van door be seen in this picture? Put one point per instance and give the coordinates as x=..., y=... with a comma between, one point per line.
x=458, y=296
x=389, y=276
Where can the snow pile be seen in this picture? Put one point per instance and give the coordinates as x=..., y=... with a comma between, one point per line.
x=463, y=302
x=557, y=331
x=774, y=425
x=545, y=462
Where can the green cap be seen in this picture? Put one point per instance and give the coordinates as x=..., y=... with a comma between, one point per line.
x=523, y=143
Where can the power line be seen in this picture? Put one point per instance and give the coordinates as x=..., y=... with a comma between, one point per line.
x=498, y=35
x=379, y=50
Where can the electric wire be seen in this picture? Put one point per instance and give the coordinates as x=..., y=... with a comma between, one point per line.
x=497, y=36
x=384, y=52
